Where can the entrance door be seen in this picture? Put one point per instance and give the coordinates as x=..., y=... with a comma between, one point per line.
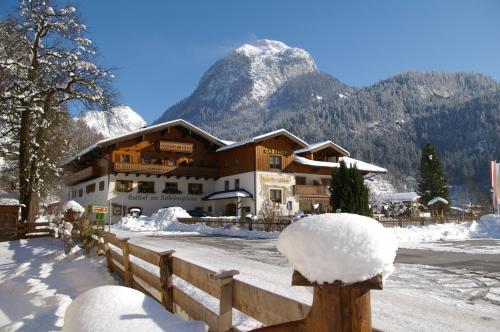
x=231, y=209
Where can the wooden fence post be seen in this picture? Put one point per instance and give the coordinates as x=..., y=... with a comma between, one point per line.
x=127, y=274
x=167, y=287
x=225, y=322
x=107, y=250
x=336, y=307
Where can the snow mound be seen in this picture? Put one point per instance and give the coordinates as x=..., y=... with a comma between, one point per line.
x=487, y=227
x=73, y=206
x=117, y=308
x=163, y=220
x=339, y=247
x=166, y=220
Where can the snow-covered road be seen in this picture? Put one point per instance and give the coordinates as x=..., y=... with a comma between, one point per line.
x=416, y=297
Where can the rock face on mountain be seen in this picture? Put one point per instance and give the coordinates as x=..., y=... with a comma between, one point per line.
x=119, y=120
x=269, y=85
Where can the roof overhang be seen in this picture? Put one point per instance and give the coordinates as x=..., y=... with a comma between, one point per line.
x=227, y=194
x=145, y=131
x=323, y=145
x=265, y=136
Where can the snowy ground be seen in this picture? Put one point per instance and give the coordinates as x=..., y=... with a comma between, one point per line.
x=455, y=289
x=38, y=282
x=416, y=297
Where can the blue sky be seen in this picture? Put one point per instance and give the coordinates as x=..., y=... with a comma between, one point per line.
x=162, y=48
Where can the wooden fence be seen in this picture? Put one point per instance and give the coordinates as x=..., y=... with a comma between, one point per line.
x=282, y=222
x=127, y=260
x=256, y=225
x=403, y=222
x=28, y=230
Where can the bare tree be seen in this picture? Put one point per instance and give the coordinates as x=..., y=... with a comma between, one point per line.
x=46, y=62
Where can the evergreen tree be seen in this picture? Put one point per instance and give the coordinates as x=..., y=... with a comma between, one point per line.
x=432, y=183
x=348, y=191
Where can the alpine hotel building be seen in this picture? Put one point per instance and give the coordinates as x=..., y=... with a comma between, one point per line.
x=178, y=164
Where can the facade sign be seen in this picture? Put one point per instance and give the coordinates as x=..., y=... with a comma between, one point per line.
x=99, y=209
x=275, y=179
x=166, y=197
x=276, y=151
x=176, y=146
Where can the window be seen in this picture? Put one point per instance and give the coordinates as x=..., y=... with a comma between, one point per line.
x=209, y=209
x=90, y=188
x=236, y=183
x=300, y=180
x=226, y=185
x=125, y=158
x=101, y=186
x=80, y=192
x=195, y=188
x=146, y=160
x=226, y=164
x=236, y=160
x=171, y=162
x=275, y=195
x=275, y=162
x=146, y=187
x=171, y=188
x=123, y=185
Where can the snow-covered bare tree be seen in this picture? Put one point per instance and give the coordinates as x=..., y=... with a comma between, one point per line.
x=46, y=63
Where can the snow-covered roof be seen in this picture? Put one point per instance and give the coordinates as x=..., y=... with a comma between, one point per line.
x=145, y=131
x=350, y=162
x=437, y=199
x=263, y=137
x=321, y=145
x=399, y=197
x=227, y=194
x=227, y=142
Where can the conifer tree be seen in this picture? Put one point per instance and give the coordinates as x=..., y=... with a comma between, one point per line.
x=432, y=183
x=348, y=191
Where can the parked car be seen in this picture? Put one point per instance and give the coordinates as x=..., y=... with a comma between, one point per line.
x=198, y=213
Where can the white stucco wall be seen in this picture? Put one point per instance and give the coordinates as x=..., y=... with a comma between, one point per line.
x=246, y=182
x=151, y=202
x=274, y=180
x=98, y=197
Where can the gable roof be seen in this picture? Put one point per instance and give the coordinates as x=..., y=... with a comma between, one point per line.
x=144, y=131
x=322, y=145
x=263, y=137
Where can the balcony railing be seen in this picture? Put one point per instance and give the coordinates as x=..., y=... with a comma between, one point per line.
x=176, y=147
x=316, y=191
x=84, y=174
x=165, y=169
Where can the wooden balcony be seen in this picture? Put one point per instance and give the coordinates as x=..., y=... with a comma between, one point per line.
x=176, y=147
x=311, y=191
x=166, y=170
x=84, y=174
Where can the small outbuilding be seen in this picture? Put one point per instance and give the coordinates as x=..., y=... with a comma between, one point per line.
x=10, y=210
x=437, y=206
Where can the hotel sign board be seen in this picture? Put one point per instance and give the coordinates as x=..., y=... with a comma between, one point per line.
x=176, y=146
x=276, y=151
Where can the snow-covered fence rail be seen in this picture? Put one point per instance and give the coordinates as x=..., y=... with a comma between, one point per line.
x=31, y=229
x=164, y=276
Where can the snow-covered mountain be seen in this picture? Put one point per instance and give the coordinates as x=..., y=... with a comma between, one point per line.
x=119, y=120
x=245, y=86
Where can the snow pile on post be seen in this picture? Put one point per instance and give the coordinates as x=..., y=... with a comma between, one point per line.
x=73, y=206
x=117, y=308
x=339, y=247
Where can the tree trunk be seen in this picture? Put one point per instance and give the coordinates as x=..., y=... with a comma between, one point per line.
x=24, y=178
